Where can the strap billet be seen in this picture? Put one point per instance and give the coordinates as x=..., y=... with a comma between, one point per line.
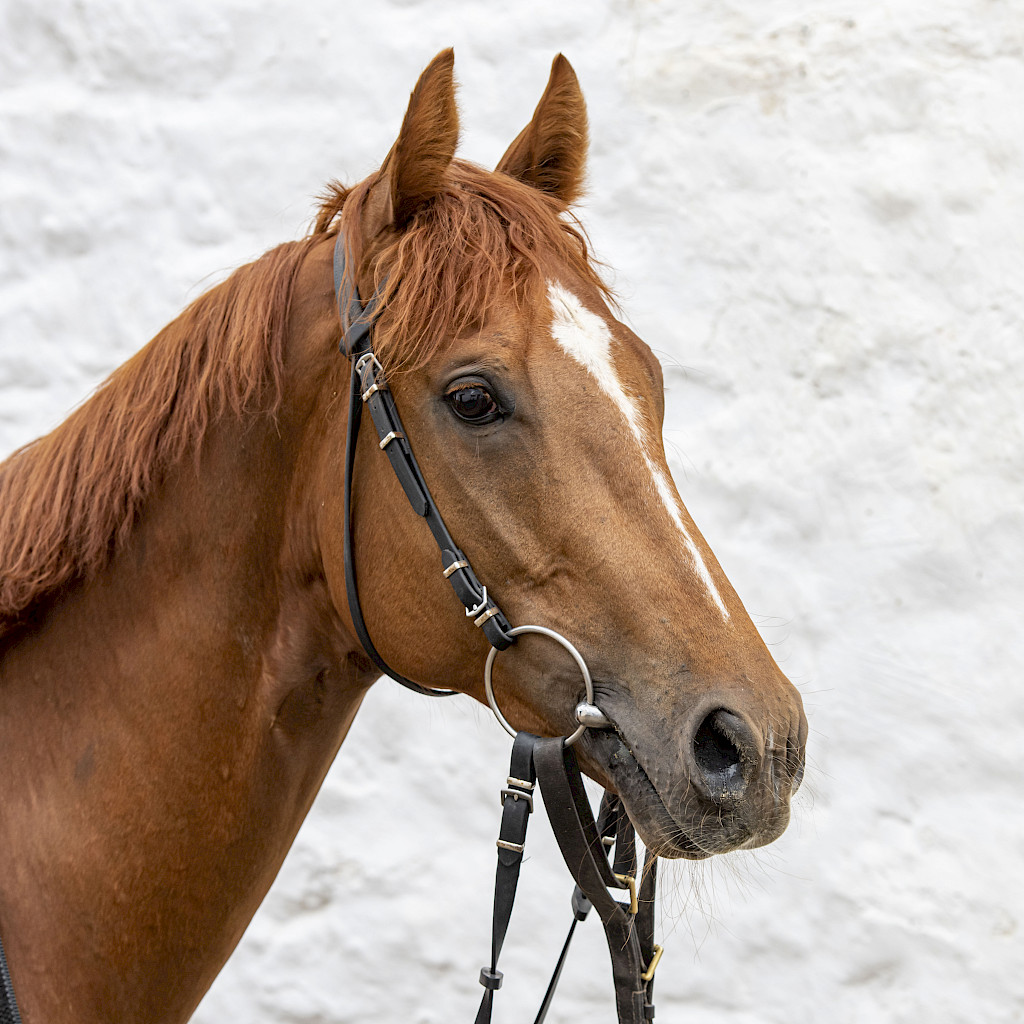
x=517, y=806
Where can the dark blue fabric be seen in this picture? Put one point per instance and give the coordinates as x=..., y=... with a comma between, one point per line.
x=8, y=1004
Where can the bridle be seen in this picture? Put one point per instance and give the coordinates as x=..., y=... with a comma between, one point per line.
x=601, y=855
x=586, y=845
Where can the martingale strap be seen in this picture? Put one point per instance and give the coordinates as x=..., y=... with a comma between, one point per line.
x=369, y=387
x=585, y=846
x=628, y=927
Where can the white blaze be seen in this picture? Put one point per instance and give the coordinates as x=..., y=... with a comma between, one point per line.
x=586, y=337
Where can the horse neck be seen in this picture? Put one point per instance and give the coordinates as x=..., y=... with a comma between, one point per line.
x=169, y=721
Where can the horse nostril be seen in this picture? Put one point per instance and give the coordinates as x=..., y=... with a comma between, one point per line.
x=725, y=753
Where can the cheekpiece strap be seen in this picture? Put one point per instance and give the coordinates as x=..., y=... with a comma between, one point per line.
x=369, y=388
x=356, y=319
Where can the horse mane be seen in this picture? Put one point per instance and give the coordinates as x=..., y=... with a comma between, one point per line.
x=69, y=499
x=485, y=236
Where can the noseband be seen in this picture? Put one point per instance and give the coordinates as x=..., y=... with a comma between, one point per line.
x=586, y=845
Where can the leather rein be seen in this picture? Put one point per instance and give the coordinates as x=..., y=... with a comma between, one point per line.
x=600, y=855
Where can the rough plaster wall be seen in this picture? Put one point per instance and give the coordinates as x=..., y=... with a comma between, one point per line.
x=815, y=214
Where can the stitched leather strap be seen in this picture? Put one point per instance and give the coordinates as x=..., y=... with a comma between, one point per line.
x=517, y=806
x=584, y=844
x=580, y=841
x=368, y=386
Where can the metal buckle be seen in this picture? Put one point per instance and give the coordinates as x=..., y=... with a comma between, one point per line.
x=630, y=882
x=653, y=966
x=504, y=844
x=368, y=357
x=395, y=435
x=471, y=612
x=518, y=789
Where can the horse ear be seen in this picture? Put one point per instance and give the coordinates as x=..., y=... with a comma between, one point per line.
x=413, y=172
x=550, y=152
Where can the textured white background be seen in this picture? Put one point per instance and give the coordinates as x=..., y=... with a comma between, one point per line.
x=815, y=212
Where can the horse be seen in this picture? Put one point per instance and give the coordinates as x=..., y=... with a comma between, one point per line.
x=179, y=663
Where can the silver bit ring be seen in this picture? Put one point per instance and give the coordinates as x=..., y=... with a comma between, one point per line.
x=577, y=657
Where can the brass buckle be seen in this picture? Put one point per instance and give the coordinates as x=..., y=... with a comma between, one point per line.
x=655, y=960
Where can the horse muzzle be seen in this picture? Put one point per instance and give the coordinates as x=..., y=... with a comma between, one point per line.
x=717, y=783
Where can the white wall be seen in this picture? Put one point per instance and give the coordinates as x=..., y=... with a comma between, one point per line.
x=815, y=218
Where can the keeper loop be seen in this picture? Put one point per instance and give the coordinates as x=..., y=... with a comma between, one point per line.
x=490, y=979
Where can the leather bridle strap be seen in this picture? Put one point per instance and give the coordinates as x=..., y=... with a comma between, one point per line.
x=628, y=927
x=517, y=806
x=368, y=387
x=584, y=843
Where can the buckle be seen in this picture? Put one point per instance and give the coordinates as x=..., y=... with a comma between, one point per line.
x=518, y=789
x=472, y=612
x=653, y=965
x=368, y=357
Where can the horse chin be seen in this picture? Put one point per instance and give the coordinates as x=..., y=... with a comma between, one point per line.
x=696, y=832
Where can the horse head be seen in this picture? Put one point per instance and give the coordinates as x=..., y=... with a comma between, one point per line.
x=536, y=416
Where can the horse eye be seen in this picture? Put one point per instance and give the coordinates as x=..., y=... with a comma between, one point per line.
x=473, y=403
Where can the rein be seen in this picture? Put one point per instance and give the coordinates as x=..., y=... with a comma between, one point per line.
x=586, y=845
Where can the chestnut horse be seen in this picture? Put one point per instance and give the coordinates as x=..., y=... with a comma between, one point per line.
x=178, y=662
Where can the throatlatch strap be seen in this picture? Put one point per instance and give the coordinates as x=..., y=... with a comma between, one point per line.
x=355, y=412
